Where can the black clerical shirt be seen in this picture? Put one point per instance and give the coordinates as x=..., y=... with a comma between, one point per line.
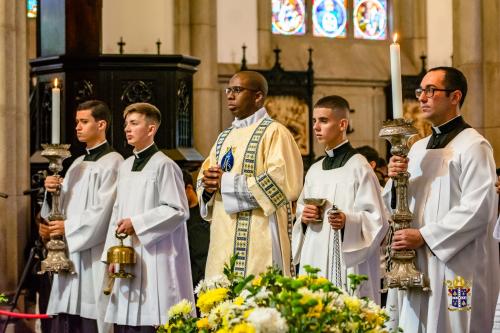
x=96, y=153
x=142, y=158
x=339, y=156
x=442, y=135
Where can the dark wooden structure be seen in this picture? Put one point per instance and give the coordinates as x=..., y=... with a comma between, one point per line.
x=69, y=47
x=165, y=81
x=298, y=84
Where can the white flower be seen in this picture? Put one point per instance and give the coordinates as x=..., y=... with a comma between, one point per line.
x=184, y=308
x=218, y=281
x=267, y=320
x=262, y=294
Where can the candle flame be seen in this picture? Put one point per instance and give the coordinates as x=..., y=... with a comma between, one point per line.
x=395, y=38
x=55, y=83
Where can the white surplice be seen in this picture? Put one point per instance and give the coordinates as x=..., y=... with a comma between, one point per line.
x=87, y=196
x=454, y=203
x=355, y=190
x=155, y=200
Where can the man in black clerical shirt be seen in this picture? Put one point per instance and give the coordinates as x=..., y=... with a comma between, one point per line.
x=454, y=204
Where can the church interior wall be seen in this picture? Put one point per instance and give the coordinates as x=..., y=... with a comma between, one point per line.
x=140, y=25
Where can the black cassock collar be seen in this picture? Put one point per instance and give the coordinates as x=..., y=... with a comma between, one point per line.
x=142, y=158
x=96, y=153
x=442, y=135
x=339, y=156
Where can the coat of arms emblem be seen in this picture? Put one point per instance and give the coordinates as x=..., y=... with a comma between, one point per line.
x=459, y=294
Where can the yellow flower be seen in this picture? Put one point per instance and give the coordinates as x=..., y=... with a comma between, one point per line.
x=352, y=303
x=316, y=310
x=247, y=313
x=321, y=280
x=208, y=299
x=257, y=281
x=184, y=307
x=243, y=328
x=239, y=300
x=202, y=323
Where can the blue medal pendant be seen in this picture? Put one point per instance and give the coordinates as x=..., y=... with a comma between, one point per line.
x=227, y=161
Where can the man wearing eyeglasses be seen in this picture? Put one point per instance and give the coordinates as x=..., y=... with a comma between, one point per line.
x=454, y=207
x=247, y=184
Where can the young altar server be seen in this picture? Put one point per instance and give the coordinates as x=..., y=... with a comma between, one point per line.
x=87, y=196
x=348, y=240
x=151, y=207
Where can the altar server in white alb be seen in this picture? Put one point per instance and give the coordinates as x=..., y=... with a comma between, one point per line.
x=87, y=196
x=151, y=207
x=347, y=241
x=455, y=209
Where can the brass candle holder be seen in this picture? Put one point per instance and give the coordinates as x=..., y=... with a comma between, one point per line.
x=57, y=261
x=402, y=273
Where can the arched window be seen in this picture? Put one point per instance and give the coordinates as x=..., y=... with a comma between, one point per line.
x=370, y=19
x=329, y=18
x=32, y=8
x=288, y=17
x=359, y=19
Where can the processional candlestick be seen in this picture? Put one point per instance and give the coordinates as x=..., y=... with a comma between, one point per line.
x=402, y=272
x=57, y=260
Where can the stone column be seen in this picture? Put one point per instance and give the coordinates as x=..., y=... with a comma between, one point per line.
x=410, y=24
x=266, y=56
x=14, y=141
x=206, y=99
x=476, y=52
x=468, y=56
x=182, y=38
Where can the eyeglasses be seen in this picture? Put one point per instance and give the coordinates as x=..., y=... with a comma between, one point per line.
x=429, y=91
x=237, y=89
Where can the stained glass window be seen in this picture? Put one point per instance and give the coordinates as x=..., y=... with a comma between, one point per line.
x=289, y=17
x=329, y=18
x=370, y=19
x=32, y=8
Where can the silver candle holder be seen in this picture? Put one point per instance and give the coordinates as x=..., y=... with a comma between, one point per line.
x=402, y=273
x=57, y=261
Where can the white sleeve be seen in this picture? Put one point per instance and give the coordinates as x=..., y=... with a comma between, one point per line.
x=235, y=194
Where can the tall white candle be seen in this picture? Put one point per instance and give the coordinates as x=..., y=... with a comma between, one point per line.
x=397, y=98
x=56, y=113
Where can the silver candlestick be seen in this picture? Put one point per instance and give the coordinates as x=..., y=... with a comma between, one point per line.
x=57, y=261
x=402, y=272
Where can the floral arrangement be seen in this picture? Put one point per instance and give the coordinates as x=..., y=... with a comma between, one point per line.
x=3, y=298
x=272, y=303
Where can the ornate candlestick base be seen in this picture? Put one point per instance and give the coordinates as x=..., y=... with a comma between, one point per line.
x=402, y=272
x=57, y=260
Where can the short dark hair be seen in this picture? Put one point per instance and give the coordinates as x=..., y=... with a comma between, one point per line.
x=333, y=102
x=454, y=79
x=381, y=162
x=187, y=178
x=98, y=109
x=149, y=111
x=369, y=153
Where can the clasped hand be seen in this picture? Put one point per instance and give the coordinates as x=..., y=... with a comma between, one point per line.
x=212, y=179
x=397, y=164
x=407, y=239
x=311, y=214
x=53, y=183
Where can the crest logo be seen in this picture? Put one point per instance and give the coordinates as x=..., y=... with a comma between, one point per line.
x=227, y=161
x=459, y=294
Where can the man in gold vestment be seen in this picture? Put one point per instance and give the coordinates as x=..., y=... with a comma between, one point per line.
x=247, y=184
